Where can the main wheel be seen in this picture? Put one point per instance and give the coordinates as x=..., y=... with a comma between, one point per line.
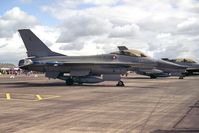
x=69, y=81
x=181, y=77
x=153, y=77
x=120, y=83
x=80, y=83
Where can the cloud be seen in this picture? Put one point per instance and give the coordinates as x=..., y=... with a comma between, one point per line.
x=4, y=45
x=189, y=26
x=124, y=31
x=12, y=47
x=163, y=35
x=155, y=27
x=82, y=26
x=13, y=20
x=160, y=28
x=72, y=46
x=11, y=51
x=102, y=2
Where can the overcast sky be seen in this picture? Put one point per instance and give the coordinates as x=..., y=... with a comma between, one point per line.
x=161, y=28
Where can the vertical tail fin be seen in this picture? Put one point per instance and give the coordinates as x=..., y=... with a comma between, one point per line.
x=35, y=47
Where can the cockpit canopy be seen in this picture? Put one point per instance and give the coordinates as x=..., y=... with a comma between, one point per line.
x=187, y=60
x=132, y=53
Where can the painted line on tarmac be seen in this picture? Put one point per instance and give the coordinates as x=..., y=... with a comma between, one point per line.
x=8, y=96
x=39, y=97
x=50, y=97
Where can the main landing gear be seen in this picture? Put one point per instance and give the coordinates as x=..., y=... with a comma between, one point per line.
x=181, y=77
x=153, y=77
x=69, y=81
x=120, y=83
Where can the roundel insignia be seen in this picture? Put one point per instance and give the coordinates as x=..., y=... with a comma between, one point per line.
x=114, y=57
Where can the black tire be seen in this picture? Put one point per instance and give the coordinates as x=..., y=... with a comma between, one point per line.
x=80, y=83
x=120, y=83
x=69, y=81
x=153, y=77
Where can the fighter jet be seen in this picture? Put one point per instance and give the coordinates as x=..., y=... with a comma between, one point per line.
x=75, y=69
x=160, y=69
x=192, y=66
x=84, y=69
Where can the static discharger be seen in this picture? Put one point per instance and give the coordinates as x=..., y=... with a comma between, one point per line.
x=8, y=96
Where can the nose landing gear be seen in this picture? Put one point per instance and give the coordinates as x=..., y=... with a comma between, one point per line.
x=181, y=77
x=120, y=83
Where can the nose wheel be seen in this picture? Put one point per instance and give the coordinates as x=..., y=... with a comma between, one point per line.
x=120, y=83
